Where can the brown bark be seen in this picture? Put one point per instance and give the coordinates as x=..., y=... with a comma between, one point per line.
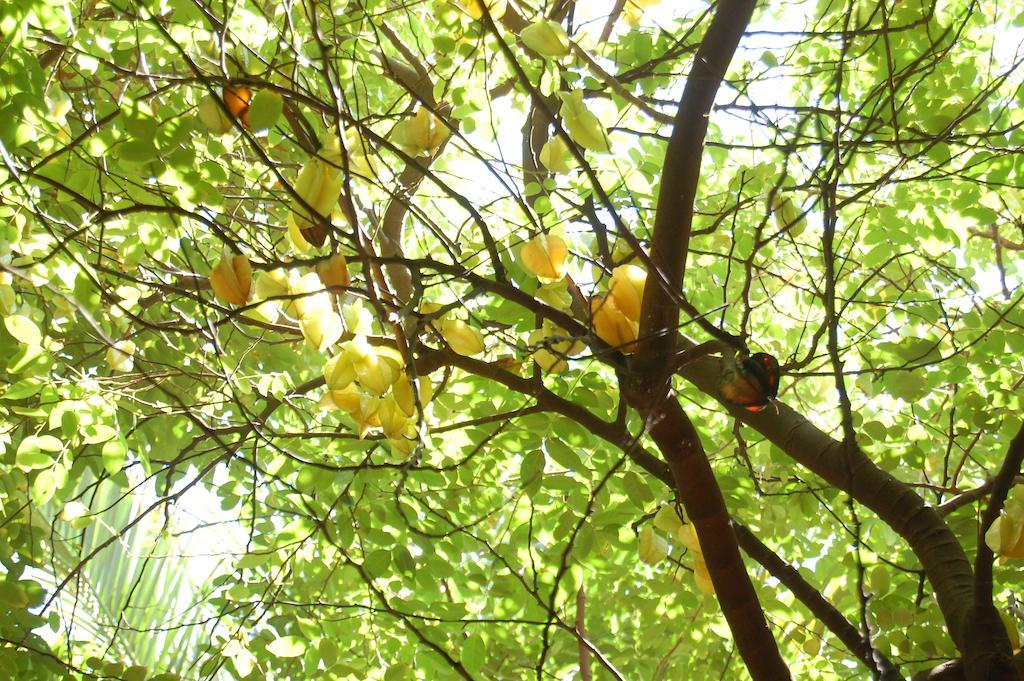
x=938, y=549
x=697, y=488
x=827, y=614
x=674, y=217
x=988, y=656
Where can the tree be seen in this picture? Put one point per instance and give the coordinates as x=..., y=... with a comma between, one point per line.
x=427, y=340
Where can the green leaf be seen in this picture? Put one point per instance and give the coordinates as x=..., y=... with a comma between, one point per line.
x=532, y=468
x=115, y=455
x=562, y=454
x=12, y=595
x=287, y=646
x=22, y=389
x=32, y=454
x=136, y=151
x=377, y=562
x=31, y=459
x=23, y=329
x=44, y=487
x=474, y=654
x=637, y=489
x=328, y=651
x=135, y=673
x=265, y=109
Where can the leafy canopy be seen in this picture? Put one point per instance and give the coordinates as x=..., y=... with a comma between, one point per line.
x=230, y=453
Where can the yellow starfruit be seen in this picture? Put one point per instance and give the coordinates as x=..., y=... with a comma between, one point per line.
x=583, y=126
x=403, y=393
x=321, y=329
x=269, y=285
x=555, y=156
x=213, y=116
x=553, y=355
x=475, y=8
x=334, y=271
x=545, y=257
x=374, y=368
x=358, y=319
x=653, y=547
x=612, y=326
x=547, y=38
x=231, y=279
x=393, y=420
x=421, y=134
x=362, y=408
x=319, y=185
x=627, y=289
x=461, y=337
x=702, y=577
x=121, y=357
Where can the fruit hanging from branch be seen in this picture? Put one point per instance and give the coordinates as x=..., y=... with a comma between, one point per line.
x=583, y=126
x=475, y=8
x=751, y=382
x=462, y=338
x=421, y=134
x=231, y=279
x=555, y=156
x=553, y=348
x=627, y=288
x=318, y=185
x=211, y=115
x=612, y=325
x=545, y=257
x=547, y=38
x=334, y=271
x=238, y=98
x=121, y=355
x=687, y=534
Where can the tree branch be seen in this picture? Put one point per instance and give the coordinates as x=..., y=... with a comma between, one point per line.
x=697, y=488
x=935, y=545
x=988, y=655
x=812, y=599
x=674, y=217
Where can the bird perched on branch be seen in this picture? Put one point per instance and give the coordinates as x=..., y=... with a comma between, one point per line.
x=751, y=382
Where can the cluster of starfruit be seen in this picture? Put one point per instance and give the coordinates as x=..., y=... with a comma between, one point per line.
x=300, y=297
x=654, y=548
x=546, y=257
x=370, y=383
x=616, y=316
